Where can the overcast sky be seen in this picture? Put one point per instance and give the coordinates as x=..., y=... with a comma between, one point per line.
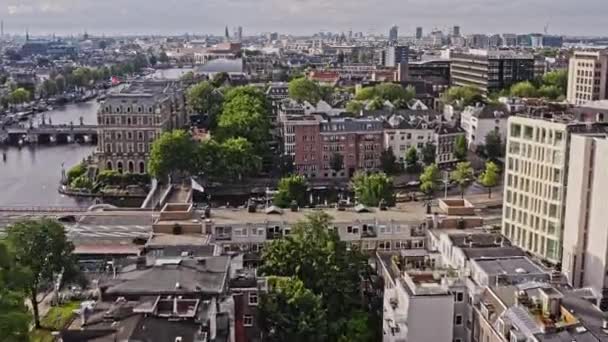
x=572, y=17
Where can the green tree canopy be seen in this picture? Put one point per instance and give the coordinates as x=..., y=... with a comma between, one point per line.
x=245, y=114
x=489, y=177
x=524, y=89
x=411, y=160
x=60, y=83
x=14, y=316
x=388, y=161
x=220, y=79
x=463, y=176
x=48, y=88
x=203, y=98
x=460, y=147
x=429, y=152
x=550, y=92
x=365, y=94
x=239, y=158
x=291, y=312
x=493, y=147
x=20, y=95
x=43, y=251
x=355, y=107
x=373, y=188
x=465, y=96
x=558, y=79
x=391, y=92
x=314, y=254
x=303, y=89
x=173, y=151
x=291, y=188
x=429, y=179
x=163, y=57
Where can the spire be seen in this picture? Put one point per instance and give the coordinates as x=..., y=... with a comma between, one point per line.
x=27, y=34
x=227, y=34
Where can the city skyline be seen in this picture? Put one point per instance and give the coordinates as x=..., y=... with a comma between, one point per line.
x=563, y=17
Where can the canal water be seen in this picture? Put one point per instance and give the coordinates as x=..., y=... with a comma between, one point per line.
x=30, y=175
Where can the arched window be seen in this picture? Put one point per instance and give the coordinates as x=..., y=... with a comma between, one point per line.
x=142, y=167
x=109, y=165
x=119, y=166
x=128, y=109
x=129, y=121
x=131, y=166
x=117, y=110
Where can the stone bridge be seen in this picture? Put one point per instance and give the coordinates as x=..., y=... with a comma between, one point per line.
x=46, y=134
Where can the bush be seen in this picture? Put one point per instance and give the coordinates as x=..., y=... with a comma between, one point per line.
x=112, y=177
x=82, y=182
x=75, y=172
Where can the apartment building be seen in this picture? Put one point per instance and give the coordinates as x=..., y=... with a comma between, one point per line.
x=587, y=76
x=316, y=139
x=491, y=70
x=131, y=119
x=478, y=121
x=585, y=257
x=368, y=229
x=536, y=175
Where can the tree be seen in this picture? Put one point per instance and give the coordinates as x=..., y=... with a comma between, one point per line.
x=373, y=188
x=187, y=77
x=82, y=77
x=204, y=99
x=239, y=158
x=336, y=162
x=219, y=79
x=314, y=254
x=550, y=92
x=493, y=147
x=60, y=83
x=489, y=177
x=391, y=92
x=14, y=316
x=163, y=57
x=429, y=153
x=411, y=160
x=42, y=250
x=388, y=161
x=366, y=94
x=375, y=104
x=173, y=151
x=429, y=180
x=245, y=114
x=291, y=188
x=463, y=176
x=557, y=79
x=153, y=60
x=48, y=88
x=303, y=89
x=291, y=312
x=354, y=107
x=524, y=89
x=326, y=93
x=460, y=148
x=463, y=96
x=19, y=96
x=76, y=171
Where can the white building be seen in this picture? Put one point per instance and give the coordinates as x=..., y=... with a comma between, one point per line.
x=587, y=76
x=479, y=121
x=585, y=258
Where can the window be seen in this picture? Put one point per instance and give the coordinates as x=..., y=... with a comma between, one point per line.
x=248, y=320
x=253, y=298
x=458, y=320
x=459, y=297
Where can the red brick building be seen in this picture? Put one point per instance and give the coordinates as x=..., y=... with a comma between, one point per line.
x=318, y=139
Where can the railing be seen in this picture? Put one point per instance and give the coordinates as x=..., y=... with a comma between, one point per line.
x=42, y=209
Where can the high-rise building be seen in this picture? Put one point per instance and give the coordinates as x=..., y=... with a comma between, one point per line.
x=536, y=177
x=536, y=40
x=553, y=41
x=394, y=55
x=226, y=34
x=587, y=76
x=456, y=31
x=509, y=39
x=491, y=70
x=495, y=41
x=418, y=32
x=393, y=34
x=478, y=41
x=585, y=249
x=239, y=33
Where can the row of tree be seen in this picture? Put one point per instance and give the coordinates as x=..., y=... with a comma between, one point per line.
x=302, y=89
x=551, y=86
x=314, y=288
x=374, y=97
x=462, y=175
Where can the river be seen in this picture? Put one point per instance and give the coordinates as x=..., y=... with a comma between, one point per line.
x=30, y=175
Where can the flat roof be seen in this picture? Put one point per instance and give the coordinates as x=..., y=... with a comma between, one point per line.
x=235, y=216
x=508, y=266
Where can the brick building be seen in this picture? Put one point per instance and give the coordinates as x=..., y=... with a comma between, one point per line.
x=314, y=141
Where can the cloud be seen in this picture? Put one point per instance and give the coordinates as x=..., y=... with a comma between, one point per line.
x=305, y=16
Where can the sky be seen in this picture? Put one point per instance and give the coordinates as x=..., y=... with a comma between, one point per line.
x=568, y=17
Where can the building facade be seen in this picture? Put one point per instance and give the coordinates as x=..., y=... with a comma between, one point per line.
x=587, y=77
x=479, y=121
x=129, y=121
x=492, y=70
